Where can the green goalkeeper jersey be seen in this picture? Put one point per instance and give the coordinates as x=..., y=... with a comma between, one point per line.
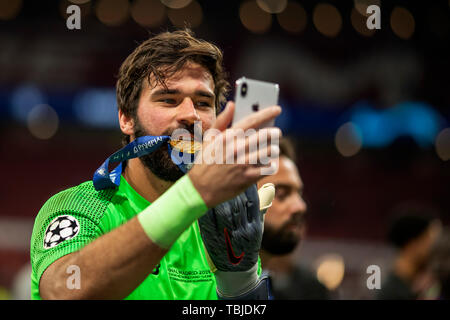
x=73, y=218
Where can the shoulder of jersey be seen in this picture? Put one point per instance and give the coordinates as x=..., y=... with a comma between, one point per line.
x=80, y=198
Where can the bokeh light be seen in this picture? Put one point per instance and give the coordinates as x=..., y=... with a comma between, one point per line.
x=330, y=270
x=327, y=20
x=190, y=16
x=85, y=8
x=96, y=108
x=361, y=5
x=148, y=13
x=348, y=139
x=254, y=18
x=79, y=1
x=43, y=121
x=443, y=144
x=10, y=9
x=402, y=23
x=359, y=22
x=293, y=19
x=112, y=12
x=23, y=99
x=272, y=6
x=176, y=4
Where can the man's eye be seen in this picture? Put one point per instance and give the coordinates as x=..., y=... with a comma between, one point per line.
x=203, y=104
x=280, y=194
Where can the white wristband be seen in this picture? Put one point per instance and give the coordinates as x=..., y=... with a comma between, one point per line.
x=231, y=284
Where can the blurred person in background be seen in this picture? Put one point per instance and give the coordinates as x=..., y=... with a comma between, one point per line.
x=21, y=287
x=440, y=264
x=284, y=228
x=413, y=232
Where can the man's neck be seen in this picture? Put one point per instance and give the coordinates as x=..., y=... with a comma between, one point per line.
x=265, y=258
x=143, y=181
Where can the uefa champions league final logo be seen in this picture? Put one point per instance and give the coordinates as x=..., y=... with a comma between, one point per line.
x=235, y=146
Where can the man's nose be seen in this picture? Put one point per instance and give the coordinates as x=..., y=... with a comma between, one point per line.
x=186, y=113
x=298, y=205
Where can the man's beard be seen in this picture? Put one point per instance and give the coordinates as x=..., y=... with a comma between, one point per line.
x=159, y=161
x=279, y=241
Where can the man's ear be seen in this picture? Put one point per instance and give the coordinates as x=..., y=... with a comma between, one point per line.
x=126, y=123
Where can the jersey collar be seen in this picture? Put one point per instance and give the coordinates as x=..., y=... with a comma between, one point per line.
x=135, y=198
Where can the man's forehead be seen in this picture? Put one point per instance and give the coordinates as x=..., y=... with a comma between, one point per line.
x=287, y=174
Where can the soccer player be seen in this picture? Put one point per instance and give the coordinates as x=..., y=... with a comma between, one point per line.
x=413, y=232
x=284, y=228
x=139, y=238
x=440, y=264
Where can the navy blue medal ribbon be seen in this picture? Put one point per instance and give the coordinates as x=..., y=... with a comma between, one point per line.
x=141, y=146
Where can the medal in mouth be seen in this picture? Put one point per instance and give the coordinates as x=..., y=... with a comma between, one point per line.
x=182, y=153
x=186, y=146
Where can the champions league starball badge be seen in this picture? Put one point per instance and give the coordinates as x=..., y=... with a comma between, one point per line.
x=60, y=229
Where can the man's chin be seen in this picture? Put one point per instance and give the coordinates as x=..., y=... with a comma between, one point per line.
x=161, y=165
x=170, y=175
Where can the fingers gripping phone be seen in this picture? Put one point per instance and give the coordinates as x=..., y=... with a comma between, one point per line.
x=252, y=96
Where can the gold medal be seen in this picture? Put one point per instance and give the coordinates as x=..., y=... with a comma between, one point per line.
x=189, y=146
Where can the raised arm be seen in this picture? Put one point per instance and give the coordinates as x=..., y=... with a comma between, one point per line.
x=113, y=265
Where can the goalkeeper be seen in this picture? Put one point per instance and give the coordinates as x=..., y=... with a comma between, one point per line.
x=148, y=229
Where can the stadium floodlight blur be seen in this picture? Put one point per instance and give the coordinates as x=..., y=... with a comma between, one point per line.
x=361, y=5
x=254, y=18
x=327, y=20
x=148, y=13
x=96, y=108
x=272, y=6
x=443, y=144
x=358, y=20
x=176, y=4
x=10, y=9
x=402, y=22
x=79, y=1
x=23, y=99
x=330, y=270
x=190, y=15
x=112, y=12
x=348, y=139
x=294, y=18
x=380, y=128
x=43, y=121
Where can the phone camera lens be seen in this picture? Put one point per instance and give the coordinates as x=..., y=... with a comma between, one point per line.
x=244, y=90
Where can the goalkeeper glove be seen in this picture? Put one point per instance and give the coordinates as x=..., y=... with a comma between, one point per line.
x=232, y=234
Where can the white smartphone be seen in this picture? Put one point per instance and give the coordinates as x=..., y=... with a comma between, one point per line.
x=253, y=95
